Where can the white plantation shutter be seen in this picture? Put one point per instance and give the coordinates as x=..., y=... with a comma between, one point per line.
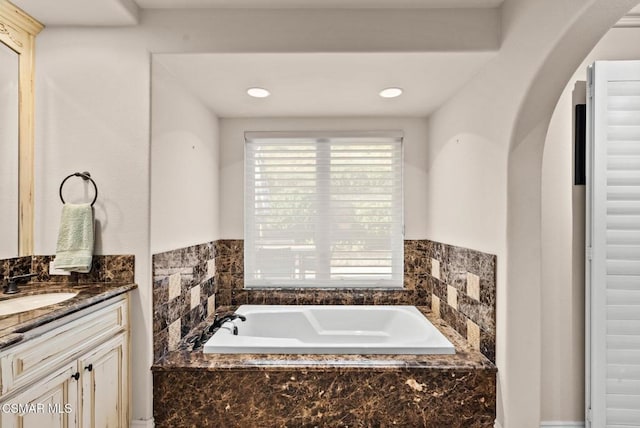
x=613, y=239
x=323, y=211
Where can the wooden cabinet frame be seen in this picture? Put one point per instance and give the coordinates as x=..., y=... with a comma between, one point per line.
x=18, y=31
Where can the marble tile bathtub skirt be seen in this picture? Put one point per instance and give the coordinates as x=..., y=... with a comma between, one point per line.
x=331, y=398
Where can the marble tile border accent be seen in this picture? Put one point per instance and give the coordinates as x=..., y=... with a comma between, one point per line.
x=104, y=269
x=183, y=294
x=464, y=287
x=302, y=296
x=229, y=279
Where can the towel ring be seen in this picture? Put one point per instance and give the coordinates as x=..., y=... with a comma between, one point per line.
x=85, y=176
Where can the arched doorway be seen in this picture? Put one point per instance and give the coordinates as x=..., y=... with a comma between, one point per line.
x=524, y=237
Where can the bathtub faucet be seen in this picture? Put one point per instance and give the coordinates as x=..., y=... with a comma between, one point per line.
x=217, y=322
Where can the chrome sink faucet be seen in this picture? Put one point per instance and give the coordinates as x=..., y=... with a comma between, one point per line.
x=10, y=285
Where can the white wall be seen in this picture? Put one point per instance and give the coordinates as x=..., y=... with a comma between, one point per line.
x=507, y=108
x=562, y=294
x=465, y=187
x=563, y=244
x=92, y=113
x=232, y=163
x=184, y=165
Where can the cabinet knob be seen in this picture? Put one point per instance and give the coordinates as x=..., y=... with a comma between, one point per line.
x=89, y=367
x=76, y=376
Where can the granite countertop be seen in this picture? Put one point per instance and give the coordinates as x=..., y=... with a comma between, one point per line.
x=13, y=327
x=465, y=357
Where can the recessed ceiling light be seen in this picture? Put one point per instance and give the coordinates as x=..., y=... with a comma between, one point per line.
x=258, y=92
x=391, y=92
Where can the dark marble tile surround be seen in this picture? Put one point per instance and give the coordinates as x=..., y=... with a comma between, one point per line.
x=459, y=284
x=110, y=275
x=466, y=357
x=326, y=398
x=196, y=389
x=104, y=269
x=463, y=287
x=230, y=284
x=183, y=294
x=253, y=390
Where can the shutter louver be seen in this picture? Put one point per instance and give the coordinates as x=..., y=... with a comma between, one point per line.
x=615, y=236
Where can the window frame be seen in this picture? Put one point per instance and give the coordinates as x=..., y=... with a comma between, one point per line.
x=395, y=283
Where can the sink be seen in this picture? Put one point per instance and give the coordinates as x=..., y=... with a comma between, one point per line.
x=35, y=301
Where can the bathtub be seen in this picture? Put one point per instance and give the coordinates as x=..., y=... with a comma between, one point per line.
x=324, y=329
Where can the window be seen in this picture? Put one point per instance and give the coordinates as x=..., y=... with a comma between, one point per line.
x=323, y=211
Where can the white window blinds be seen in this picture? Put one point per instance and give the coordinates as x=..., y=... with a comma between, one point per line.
x=323, y=212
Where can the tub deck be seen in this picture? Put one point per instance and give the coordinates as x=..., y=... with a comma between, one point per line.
x=329, y=329
x=464, y=358
x=259, y=390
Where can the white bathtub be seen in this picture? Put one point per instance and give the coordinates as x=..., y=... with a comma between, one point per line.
x=307, y=329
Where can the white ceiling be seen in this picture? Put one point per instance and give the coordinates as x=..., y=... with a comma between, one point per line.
x=302, y=84
x=323, y=84
x=125, y=12
x=312, y=4
x=81, y=12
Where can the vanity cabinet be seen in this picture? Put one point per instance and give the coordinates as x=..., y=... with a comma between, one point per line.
x=49, y=403
x=104, y=385
x=72, y=372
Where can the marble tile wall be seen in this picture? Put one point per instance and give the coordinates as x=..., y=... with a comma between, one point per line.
x=459, y=284
x=15, y=266
x=230, y=282
x=183, y=294
x=463, y=286
x=105, y=268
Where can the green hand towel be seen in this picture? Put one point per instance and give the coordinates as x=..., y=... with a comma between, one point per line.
x=74, y=250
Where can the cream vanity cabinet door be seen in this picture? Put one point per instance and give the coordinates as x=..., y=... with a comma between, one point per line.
x=104, y=378
x=51, y=402
x=76, y=364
